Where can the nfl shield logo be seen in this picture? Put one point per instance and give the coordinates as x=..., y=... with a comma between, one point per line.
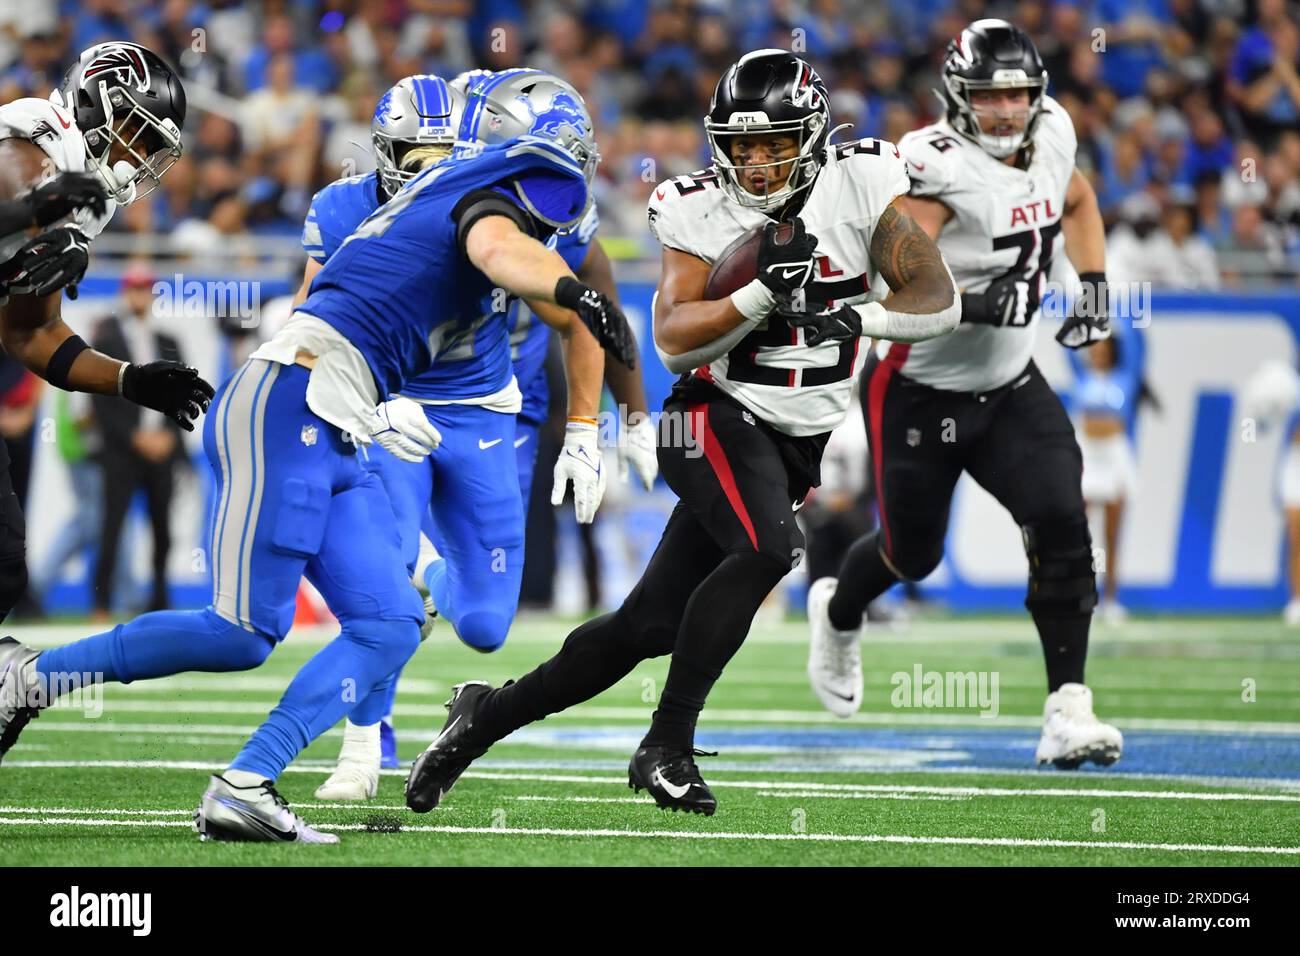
x=913, y=437
x=308, y=434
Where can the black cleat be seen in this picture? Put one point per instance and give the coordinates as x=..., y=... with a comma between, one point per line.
x=672, y=779
x=437, y=769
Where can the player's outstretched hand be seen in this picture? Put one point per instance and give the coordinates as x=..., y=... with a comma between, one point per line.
x=829, y=325
x=639, y=452
x=785, y=266
x=580, y=462
x=51, y=261
x=401, y=427
x=63, y=195
x=168, y=387
x=601, y=315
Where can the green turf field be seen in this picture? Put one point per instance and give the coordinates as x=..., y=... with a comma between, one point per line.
x=1210, y=710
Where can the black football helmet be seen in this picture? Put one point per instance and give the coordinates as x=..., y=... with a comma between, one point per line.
x=769, y=91
x=992, y=55
x=123, y=94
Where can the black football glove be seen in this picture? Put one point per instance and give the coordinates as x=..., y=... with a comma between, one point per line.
x=602, y=316
x=1090, y=320
x=49, y=262
x=1006, y=302
x=168, y=387
x=786, y=267
x=63, y=195
x=830, y=325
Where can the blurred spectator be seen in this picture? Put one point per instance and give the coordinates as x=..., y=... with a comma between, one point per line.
x=1263, y=78
x=1253, y=247
x=140, y=446
x=1160, y=248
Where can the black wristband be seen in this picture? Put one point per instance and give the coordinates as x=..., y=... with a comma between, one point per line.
x=569, y=292
x=60, y=363
x=975, y=309
x=1095, y=296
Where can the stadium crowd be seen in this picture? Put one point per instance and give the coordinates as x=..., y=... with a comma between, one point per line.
x=1187, y=110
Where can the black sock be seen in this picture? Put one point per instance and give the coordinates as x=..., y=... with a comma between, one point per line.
x=864, y=576
x=716, y=622
x=592, y=660
x=1065, y=647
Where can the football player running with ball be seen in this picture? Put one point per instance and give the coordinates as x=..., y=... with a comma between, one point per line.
x=767, y=374
x=995, y=184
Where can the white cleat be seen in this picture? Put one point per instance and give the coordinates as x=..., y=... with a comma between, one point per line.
x=834, y=657
x=1112, y=613
x=356, y=776
x=1072, y=733
x=251, y=815
x=1291, y=615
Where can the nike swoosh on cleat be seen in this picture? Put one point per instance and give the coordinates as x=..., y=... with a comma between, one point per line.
x=672, y=790
x=488, y=444
x=445, y=731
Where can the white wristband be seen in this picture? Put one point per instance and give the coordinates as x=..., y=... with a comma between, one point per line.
x=753, y=301
x=875, y=319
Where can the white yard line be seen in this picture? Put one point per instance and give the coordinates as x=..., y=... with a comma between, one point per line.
x=719, y=779
x=705, y=835
x=899, y=718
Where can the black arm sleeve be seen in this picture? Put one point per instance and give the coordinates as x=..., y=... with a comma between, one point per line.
x=15, y=216
x=487, y=202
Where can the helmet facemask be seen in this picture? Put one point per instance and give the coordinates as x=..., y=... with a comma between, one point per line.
x=146, y=146
x=957, y=94
x=804, y=165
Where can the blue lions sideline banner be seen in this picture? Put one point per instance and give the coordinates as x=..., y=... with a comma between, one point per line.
x=1204, y=531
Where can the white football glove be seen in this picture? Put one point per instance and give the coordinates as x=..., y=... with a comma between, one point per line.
x=580, y=462
x=638, y=450
x=401, y=427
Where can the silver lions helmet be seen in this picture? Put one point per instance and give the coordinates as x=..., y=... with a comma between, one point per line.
x=511, y=103
x=415, y=124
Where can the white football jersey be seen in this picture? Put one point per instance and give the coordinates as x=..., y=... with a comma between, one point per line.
x=796, y=388
x=51, y=128
x=1005, y=219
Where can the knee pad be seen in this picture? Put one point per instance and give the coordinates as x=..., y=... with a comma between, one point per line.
x=483, y=630
x=234, y=648
x=913, y=562
x=391, y=641
x=1062, y=582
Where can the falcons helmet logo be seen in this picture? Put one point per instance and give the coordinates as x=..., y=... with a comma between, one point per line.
x=124, y=63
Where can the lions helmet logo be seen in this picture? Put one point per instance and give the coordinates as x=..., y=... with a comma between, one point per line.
x=122, y=62
x=563, y=110
x=384, y=108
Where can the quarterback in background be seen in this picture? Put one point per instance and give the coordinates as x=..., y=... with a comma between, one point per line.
x=994, y=183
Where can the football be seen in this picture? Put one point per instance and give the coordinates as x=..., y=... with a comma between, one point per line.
x=737, y=265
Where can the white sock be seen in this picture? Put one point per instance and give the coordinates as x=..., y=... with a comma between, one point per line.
x=428, y=555
x=243, y=779
x=360, y=744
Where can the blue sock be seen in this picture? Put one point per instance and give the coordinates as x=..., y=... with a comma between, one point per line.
x=377, y=705
x=157, y=644
x=435, y=579
x=342, y=674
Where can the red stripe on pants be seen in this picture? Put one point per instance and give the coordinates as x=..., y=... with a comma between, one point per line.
x=876, y=387
x=721, y=467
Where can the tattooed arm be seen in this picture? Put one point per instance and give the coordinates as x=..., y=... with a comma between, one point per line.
x=924, y=301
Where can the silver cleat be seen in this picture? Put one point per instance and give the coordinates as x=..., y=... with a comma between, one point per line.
x=18, y=695
x=251, y=815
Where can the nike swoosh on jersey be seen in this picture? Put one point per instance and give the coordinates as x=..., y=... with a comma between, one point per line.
x=488, y=444
x=520, y=440
x=918, y=166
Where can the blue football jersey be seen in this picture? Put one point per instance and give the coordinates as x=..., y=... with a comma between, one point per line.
x=528, y=334
x=336, y=211
x=400, y=288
